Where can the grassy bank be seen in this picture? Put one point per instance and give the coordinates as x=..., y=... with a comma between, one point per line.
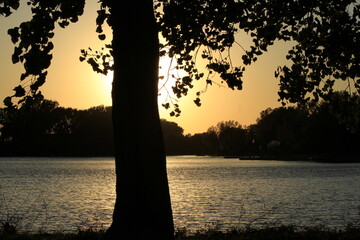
x=270, y=233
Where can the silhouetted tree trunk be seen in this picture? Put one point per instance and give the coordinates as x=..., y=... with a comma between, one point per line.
x=142, y=208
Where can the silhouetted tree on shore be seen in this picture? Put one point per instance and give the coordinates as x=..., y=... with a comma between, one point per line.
x=45, y=129
x=173, y=137
x=329, y=129
x=231, y=138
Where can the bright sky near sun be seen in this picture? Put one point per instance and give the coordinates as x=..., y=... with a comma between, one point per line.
x=73, y=83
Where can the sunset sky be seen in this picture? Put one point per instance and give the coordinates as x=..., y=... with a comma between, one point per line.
x=73, y=83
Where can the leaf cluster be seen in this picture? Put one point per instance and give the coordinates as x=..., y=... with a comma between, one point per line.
x=7, y=6
x=32, y=40
x=100, y=61
x=327, y=50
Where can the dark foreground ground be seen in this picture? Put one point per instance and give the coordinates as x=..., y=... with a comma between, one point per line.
x=351, y=232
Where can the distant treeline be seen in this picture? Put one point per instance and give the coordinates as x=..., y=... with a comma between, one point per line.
x=329, y=129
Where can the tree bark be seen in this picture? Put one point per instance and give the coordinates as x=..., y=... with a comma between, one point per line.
x=142, y=207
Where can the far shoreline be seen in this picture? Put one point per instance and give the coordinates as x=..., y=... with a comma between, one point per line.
x=321, y=158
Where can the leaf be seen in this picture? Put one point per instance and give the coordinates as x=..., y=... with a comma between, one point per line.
x=23, y=76
x=14, y=33
x=74, y=19
x=41, y=79
x=15, y=58
x=162, y=53
x=197, y=102
x=63, y=24
x=8, y=102
x=99, y=29
x=14, y=4
x=5, y=11
x=101, y=17
x=102, y=37
x=50, y=46
x=19, y=91
x=51, y=34
x=44, y=61
x=166, y=105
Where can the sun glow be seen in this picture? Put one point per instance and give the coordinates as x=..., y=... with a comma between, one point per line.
x=108, y=79
x=167, y=75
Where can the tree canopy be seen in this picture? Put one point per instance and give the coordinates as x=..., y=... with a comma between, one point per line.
x=325, y=35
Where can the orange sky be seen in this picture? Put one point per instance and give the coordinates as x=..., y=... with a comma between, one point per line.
x=74, y=84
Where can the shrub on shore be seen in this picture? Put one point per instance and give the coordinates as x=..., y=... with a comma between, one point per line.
x=351, y=232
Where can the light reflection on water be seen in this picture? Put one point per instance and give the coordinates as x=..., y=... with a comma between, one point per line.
x=61, y=193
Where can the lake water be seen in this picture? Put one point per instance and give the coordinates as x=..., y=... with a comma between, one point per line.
x=65, y=193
